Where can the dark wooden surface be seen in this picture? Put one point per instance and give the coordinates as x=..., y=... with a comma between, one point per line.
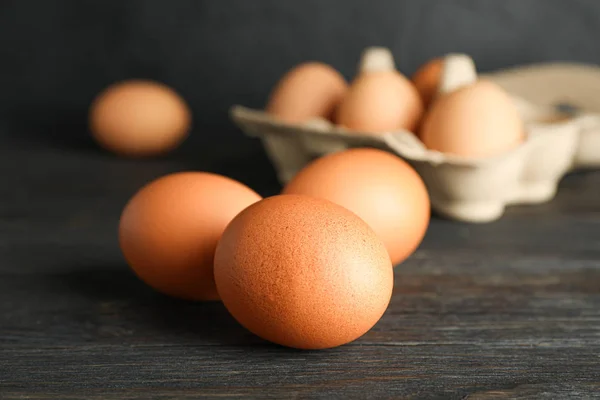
x=504, y=310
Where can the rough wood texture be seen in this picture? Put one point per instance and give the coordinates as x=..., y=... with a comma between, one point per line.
x=505, y=310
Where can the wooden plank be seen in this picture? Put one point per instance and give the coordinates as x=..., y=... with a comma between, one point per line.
x=503, y=310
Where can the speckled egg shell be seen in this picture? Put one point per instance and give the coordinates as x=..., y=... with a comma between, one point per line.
x=303, y=272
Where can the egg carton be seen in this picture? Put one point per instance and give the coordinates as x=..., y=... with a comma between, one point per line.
x=559, y=93
x=562, y=133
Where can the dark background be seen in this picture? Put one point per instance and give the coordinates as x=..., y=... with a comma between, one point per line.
x=55, y=56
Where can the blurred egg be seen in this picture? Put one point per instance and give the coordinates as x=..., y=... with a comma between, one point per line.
x=303, y=272
x=169, y=230
x=379, y=187
x=139, y=118
x=477, y=120
x=379, y=102
x=310, y=90
x=427, y=78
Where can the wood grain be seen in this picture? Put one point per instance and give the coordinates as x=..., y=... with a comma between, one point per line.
x=503, y=310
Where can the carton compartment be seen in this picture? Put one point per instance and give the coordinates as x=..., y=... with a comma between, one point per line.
x=558, y=139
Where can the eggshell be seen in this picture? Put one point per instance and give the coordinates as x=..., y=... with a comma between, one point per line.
x=169, y=230
x=379, y=102
x=310, y=90
x=139, y=118
x=379, y=187
x=477, y=120
x=427, y=79
x=303, y=272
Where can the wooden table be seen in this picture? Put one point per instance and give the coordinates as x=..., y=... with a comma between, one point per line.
x=501, y=310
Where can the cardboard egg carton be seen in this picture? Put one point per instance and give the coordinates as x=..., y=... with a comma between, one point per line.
x=562, y=133
x=559, y=93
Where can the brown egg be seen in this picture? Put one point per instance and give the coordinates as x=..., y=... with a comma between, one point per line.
x=310, y=90
x=427, y=78
x=139, y=118
x=169, y=230
x=380, y=102
x=379, y=187
x=478, y=120
x=303, y=272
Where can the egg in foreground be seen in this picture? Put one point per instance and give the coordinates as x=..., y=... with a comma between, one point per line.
x=139, y=118
x=379, y=187
x=303, y=272
x=169, y=230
